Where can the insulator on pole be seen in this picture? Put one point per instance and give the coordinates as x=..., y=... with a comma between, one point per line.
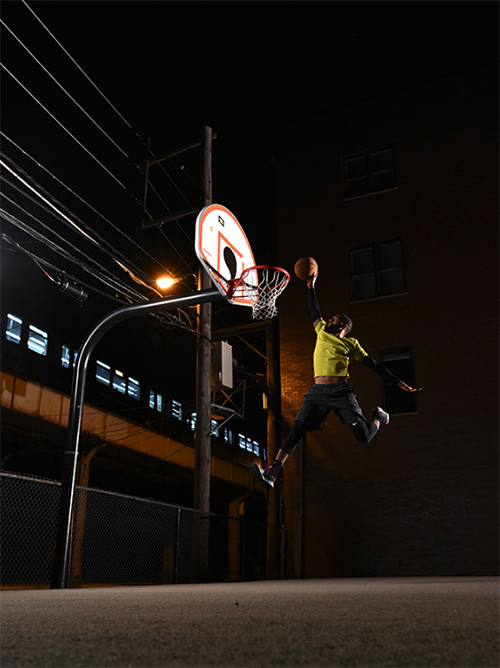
x=71, y=289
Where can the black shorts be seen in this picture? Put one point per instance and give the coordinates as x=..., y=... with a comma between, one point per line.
x=321, y=399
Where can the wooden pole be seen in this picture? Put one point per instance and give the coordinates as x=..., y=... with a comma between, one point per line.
x=204, y=380
x=273, y=507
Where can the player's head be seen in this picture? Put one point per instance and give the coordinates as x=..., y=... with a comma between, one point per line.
x=346, y=320
x=340, y=325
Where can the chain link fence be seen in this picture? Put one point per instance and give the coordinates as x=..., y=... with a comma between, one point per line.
x=118, y=539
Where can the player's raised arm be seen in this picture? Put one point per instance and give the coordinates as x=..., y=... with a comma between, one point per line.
x=312, y=300
x=306, y=268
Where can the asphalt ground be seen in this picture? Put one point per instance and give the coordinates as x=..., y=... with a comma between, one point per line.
x=417, y=622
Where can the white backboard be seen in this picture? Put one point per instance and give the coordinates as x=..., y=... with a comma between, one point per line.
x=223, y=249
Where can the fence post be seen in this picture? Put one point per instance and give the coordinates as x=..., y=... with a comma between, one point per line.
x=177, y=541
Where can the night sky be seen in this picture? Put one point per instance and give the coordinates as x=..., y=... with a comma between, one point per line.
x=169, y=68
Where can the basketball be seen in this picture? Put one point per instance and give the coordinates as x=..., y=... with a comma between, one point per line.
x=305, y=268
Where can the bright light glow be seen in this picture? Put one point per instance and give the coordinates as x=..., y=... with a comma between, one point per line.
x=165, y=282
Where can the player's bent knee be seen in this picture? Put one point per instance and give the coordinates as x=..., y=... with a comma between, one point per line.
x=361, y=432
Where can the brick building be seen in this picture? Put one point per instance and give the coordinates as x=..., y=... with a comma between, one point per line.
x=397, y=200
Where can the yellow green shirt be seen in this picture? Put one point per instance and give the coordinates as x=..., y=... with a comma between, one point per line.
x=332, y=355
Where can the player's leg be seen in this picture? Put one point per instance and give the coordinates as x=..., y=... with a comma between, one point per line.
x=346, y=406
x=269, y=475
x=312, y=415
x=380, y=416
x=364, y=432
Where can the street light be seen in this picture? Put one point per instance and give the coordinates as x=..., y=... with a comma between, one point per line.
x=166, y=282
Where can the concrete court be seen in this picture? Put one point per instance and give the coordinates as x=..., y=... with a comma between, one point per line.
x=417, y=622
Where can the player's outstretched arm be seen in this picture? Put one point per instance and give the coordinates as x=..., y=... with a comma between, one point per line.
x=407, y=388
x=383, y=371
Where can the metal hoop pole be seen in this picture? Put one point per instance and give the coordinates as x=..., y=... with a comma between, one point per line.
x=62, y=554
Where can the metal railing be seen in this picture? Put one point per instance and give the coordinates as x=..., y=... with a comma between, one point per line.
x=117, y=538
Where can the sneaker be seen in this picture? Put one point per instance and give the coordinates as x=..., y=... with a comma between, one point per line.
x=263, y=475
x=380, y=415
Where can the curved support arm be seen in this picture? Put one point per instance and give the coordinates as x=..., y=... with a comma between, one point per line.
x=62, y=554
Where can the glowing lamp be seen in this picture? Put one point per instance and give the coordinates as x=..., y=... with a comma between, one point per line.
x=165, y=282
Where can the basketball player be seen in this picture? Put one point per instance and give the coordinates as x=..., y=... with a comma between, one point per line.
x=333, y=352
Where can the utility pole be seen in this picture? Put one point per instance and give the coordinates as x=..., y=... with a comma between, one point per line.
x=203, y=393
x=274, y=495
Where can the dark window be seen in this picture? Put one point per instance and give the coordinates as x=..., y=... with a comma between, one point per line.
x=400, y=363
x=369, y=172
x=377, y=270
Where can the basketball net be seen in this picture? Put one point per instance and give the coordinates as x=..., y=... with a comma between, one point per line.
x=261, y=285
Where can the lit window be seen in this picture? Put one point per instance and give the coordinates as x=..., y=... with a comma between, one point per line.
x=159, y=403
x=13, y=331
x=119, y=383
x=256, y=448
x=369, y=172
x=134, y=389
x=400, y=363
x=103, y=373
x=228, y=435
x=213, y=428
x=242, y=441
x=192, y=421
x=176, y=409
x=65, y=357
x=37, y=340
x=152, y=398
x=377, y=270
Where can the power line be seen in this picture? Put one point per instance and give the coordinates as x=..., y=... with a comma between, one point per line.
x=117, y=180
x=175, y=249
x=65, y=219
x=60, y=238
x=117, y=229
x=70, y=96
x=69, y=133
x=103, y=166
x=84, y=74
x=110, y=281
x=178, y=224
x=172, y=182
x=40, y=261
x=107, y=248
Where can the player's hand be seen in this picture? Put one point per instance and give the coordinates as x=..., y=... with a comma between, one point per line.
x=311, y=281
x=407, y=388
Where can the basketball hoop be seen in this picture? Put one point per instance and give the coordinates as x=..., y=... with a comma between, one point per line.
x=261, y=285
x=224, y=251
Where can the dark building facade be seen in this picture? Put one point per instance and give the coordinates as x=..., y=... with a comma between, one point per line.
x=397, y=200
